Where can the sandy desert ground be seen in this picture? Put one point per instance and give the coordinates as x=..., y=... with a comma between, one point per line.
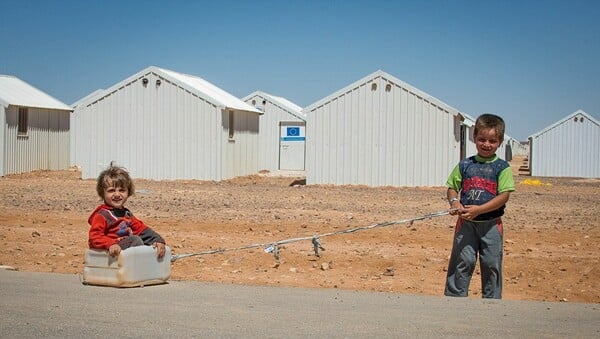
x=552, y=232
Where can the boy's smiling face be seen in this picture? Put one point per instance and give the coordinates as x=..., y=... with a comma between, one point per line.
x=115, y=196
x=487, y=142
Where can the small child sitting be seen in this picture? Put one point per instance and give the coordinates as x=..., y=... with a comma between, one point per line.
x=112, y=226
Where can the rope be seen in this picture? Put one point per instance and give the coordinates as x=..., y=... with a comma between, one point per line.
x=274, y=246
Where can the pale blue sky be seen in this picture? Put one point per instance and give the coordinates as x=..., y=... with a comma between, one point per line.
x=532, y=62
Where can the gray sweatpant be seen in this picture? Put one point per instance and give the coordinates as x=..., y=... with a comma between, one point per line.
x=130, y=241
x=470, y=239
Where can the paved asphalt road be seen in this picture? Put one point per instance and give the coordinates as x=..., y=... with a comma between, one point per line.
x=35, y=305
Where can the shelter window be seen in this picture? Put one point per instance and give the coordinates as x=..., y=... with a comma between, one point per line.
x=231, y=129
x=23, y=121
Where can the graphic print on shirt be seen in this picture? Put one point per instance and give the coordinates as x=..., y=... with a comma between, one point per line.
x=476, y=186
x=124, y=228
x=480, y=184
x=121, y=220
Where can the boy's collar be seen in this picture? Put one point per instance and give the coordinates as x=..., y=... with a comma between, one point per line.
x=479, y=158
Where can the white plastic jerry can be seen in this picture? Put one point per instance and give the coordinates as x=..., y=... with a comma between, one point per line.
x=135, y=266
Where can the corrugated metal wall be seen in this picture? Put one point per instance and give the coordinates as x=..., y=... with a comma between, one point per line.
x=46, y=146
x=268, y=155
x=501, y=151
x=241, y=152
x=378, y=134
x=162, y=132
x=518, y=148
x=471, y=148
x=568, y=149
x=3, y=146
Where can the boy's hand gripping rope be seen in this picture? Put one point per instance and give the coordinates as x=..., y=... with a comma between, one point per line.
x=274, y=246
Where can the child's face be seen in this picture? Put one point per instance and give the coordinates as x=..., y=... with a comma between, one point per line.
x=487, y=142
x=116, y=197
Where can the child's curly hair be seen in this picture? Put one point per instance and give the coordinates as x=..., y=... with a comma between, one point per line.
x=114, y=176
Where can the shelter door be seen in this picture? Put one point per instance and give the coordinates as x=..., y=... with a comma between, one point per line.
x=292, y=139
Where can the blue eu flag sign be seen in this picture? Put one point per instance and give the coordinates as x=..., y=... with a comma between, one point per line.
x=293, y=131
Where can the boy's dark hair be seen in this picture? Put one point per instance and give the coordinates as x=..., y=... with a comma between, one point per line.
x=114, y=176
x=488, y=120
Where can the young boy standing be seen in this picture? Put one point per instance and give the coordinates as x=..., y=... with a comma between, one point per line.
x=478, y=189
x=112, y=226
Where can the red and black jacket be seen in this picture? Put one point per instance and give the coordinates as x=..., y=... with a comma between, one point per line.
x=109, y=225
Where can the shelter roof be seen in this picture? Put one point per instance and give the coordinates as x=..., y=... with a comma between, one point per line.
x=192, y=83
x=285, y=104
x=16, y=92
x=565, y=119
x=390, y=79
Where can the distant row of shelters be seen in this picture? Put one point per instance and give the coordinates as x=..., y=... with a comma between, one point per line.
x=161, y=124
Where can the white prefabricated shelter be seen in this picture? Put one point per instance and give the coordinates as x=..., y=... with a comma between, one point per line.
x=162, y=124
x=282, y=132
x=567, y=148
x=380, y=131
x=516, y=147
x=34, y=129
x=87, y=98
